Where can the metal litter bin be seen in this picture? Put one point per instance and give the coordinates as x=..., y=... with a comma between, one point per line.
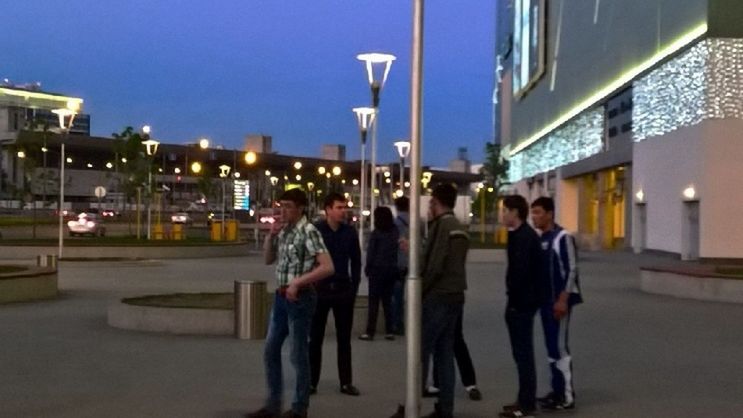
x=47, y=260
x=250, y=309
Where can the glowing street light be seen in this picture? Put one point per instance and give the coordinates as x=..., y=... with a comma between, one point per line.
x=69, y=113
x=151, y=148
x=203, y=143
x=224, y=172
x=403, y=149
x=196, y=167
x=250, y=158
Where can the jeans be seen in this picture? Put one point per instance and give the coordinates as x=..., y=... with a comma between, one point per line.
x=437, y=339
x=342, y=306
x=521, y=330
x=290, y=319
x=398, y=304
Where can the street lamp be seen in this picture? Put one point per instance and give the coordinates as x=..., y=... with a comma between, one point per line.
x=69, y=112
x=151, y=148
x=365, y=117
x=224, y=171
x=403, y=149
x=377, y=69
x=274, y=181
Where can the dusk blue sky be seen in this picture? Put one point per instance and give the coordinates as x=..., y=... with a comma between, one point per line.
x=285, y=68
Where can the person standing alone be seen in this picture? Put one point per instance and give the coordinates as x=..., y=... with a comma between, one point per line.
x=337, y=292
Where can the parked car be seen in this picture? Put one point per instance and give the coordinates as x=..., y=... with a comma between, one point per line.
x=109, y=213
x=86, y=224
x=181, y=218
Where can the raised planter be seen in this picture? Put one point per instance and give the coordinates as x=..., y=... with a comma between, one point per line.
x=691, y=285
x=32, y=283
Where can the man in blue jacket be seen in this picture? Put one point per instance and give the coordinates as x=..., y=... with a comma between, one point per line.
x=561, y=269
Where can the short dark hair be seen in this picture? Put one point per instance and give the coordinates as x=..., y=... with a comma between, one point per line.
x=295, y=195
x=383, y=219
x=544, y=202
x=333, y=197
x=519, y=203
x=446, y=194
x=402, y=204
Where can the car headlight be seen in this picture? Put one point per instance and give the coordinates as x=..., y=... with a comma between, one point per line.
x=71, y=223
x=90, y=224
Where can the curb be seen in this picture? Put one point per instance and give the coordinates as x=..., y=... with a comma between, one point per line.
x=691, y=286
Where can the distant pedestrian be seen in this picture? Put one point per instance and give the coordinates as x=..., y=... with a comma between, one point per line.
x=337, y=292
x=302, y=259
x=382, y=271
x=444, y=279
x=561, y=269
x=526, y=292
x=402, y=222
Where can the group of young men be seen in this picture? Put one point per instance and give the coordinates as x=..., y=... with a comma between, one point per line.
x=318, y=270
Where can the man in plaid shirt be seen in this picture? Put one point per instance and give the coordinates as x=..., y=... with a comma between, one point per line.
x=301, y=259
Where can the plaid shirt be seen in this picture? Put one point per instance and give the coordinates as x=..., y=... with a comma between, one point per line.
x=297, y=247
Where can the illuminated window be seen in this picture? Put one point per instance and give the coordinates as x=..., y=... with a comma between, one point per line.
x=528, y=44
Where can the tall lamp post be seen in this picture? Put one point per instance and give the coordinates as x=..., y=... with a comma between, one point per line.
x=69, y=112
x=151, y=148
x=224, y=171
x=377, y=69
x=403, y=149
x=365, y=117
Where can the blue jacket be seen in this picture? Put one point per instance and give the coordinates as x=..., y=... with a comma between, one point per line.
x=562, y=264
x=343, y=246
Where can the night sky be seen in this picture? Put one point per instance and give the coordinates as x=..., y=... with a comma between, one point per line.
x=285, y=68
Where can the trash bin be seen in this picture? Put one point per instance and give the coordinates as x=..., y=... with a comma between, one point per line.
x=216, y=231
x=250, y=309
x=232, y=226
x=179, y=232
x=47, y=260
x=158, y=232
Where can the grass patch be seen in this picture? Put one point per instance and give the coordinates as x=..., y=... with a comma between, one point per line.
x=222, y=301
x=734, y=272
x=11, y=269
x=26, y=220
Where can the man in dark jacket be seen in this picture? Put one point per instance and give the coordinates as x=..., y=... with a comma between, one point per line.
x=337, y=292
x=526, y=293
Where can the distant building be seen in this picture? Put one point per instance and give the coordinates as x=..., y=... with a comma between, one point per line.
x=334, y=152
x=258, y=143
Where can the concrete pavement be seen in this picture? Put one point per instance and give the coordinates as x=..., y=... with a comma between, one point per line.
x=635, y=354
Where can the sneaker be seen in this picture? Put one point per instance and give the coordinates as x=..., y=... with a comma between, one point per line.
x=431, y=392
x=263, y=413
x=389, y=337
x=517, y=413
x=350, y=390
x=474, y=393
x=557, y=405
x=511, y=406
x=546, y=398
x=366, y=337
x=400, y=413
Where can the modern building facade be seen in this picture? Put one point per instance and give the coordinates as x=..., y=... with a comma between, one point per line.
x=629, y=113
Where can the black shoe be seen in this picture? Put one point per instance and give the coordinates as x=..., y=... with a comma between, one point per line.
x=557, y=405
x=389, y=337
x=511, y=407
x=517, y=413
x=366, y=337
x=431, y=392
x=313, y=390
x=350, y=390
x=474, y=393
x=400, y=412
x=263, y=413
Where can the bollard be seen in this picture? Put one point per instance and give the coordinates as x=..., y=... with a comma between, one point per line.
x=47, y=260
x=250, y=309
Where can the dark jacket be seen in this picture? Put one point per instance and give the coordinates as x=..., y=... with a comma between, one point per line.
x=381, y=254
x=343, y=246
x=526, y=283
x=444, y=258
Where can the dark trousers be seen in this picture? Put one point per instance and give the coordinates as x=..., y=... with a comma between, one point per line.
x=462, y=356
x=437, y=340
x=398, y=303
x=521, y=331
x=380, y=290
x=558, y=353
x=342, y=306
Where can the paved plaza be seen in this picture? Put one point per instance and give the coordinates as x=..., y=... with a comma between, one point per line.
x=635, y=355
